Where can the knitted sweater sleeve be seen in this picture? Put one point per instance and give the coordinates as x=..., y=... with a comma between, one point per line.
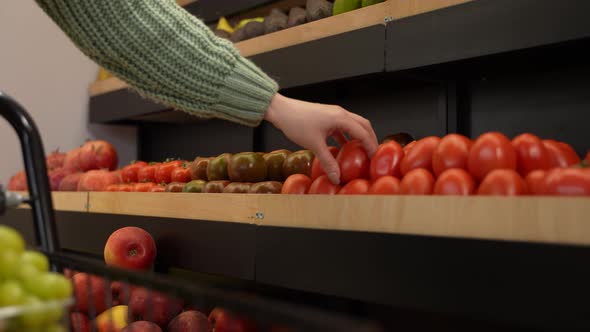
x=167, y=55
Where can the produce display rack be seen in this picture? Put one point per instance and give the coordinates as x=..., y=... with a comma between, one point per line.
x=516, y=262
x=419, y=263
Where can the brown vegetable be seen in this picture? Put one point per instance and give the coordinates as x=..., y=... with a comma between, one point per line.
x=267, y=187
x=275, y=21
x=254, y=29
x=175, y=187
x=215, y=186
x=237, y=188
x=318, y=9
x=222, y=33
x=199, y=168
x=297, y=16
x=238, y=35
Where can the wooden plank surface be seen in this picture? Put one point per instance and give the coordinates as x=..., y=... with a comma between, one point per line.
x=354, y=20
x=66, y=201
x=528, y=219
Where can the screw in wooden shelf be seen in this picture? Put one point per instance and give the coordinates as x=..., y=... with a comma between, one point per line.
x=259, y=215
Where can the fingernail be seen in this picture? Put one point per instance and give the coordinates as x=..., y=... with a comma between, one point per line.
x=333, y=176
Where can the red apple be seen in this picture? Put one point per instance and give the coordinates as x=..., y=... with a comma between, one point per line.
x=131, y=248
x=70, y=182
x=18, y=182
x=153, y=306
x=55, y=160
x=72, y=160
x=80, y=322
x=142, y=326
x=121, y=292
x=90, y=291
x=69, y=273
x=56, y=176
x=224, y=321
x=97, y=180
x=192, y=321
x=98, y=155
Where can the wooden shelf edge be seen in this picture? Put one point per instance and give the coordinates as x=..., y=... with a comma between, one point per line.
x=331, y=26
x=551, y=220
x=66, y=201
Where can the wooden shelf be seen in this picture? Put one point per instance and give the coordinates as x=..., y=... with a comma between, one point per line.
x=526, y=219
x=378, y=14
x=66, y=201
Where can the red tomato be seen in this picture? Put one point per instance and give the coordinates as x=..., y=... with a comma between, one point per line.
x=147, y=173
x=420, y=156
x=323, y=185
x=559, y=154
x=355, y=187
x=409, y=147
x=418, y=181
x=451, y=152
x=163, y=173
x=316, y=168
x=125, y=188
x=181, y=174
x=129, y=172
x=587, y=159
x=112, y=187
x=157, y=189
x=296, y=184
x=530, y=154
x=503, y=182
x=387, y=160
x=143, y=186
x=567, y=182
x=535, y=181
x=454, y=181
x=489, y=152
x=385, y=185
x=353, y=161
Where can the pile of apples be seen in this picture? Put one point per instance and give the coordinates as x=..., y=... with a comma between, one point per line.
x=90, y=166
x=120, y=307
x=25, y=282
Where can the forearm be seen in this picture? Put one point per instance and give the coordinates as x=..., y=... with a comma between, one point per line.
x=166, y=55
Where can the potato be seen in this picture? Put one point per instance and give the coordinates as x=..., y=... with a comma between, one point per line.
x=238, y=35
x=275, y=21
x=318, y=9
x=254, y=29
x=297, y=16
x=222, y=33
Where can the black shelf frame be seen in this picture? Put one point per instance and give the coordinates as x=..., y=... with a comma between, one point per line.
x=513, y=284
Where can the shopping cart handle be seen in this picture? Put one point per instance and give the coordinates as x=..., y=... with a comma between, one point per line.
x=36, y=170
x=9, y=199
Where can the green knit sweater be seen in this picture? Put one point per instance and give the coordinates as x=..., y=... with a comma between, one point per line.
x=167, y=55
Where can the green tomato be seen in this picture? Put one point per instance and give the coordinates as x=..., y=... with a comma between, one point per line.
x=10, y=239
x=49, y=286
x=11, y=294
x=9, y=260
x=37, y=259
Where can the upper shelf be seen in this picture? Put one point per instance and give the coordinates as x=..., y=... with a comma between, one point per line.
x=523, y=219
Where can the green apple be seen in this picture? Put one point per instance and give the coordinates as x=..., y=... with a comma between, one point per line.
x=10, y=239
x=35, y=258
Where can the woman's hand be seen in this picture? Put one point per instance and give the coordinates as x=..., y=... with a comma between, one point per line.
x=309, y=125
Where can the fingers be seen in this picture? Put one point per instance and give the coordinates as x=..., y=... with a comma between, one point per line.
x=367, y=137
x=367, y=125
x=328, y=163
x=339, y=137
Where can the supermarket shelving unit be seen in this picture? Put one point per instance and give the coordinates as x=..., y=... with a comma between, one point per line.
x=425, y=67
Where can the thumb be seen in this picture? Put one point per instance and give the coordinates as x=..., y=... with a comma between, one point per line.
x=328, y=163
